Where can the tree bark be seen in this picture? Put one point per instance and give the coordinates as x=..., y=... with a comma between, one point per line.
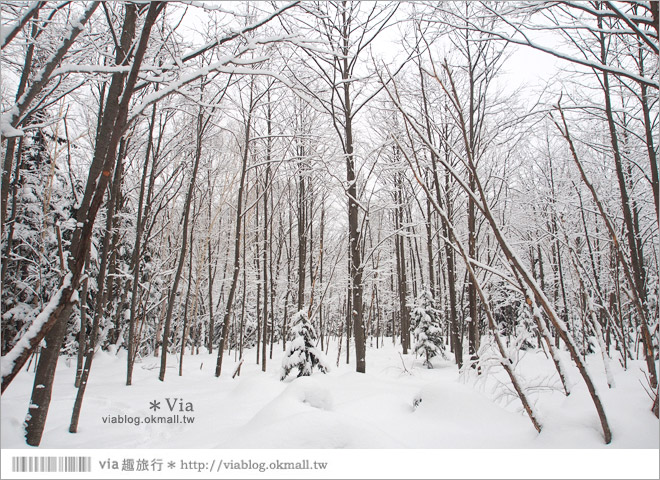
x=82, y=335
x=201, y=124
x=302, y=229
x=401, y=267
x=186, y=322
x=43, y=383
x=137, y=249
x=237, y=241
x=354, y=236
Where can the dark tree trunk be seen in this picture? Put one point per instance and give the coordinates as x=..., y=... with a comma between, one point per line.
x=113, y=125
x=257, y=261
x=264, y=343
x=43, y=383
x=101, y=296
x=321, y=234
x=186, y=321
x=354, y=234
x=201, y=124
x=401, y=267
x=137, y=249
x=82, y=335
x=237, y=241
x=302, y=229
x=11, y=145
x=473, y=325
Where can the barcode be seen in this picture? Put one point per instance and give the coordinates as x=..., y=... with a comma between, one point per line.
x=51, y=464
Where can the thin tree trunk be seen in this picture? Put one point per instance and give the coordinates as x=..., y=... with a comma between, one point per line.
x=244, y=293
x=354, y=235
x=201, y=124
x=401, y=268
x=349, y=309
x=429, y=250
x=302, y=230
x=265, y=265
x=321, y=234
x=135, y=260
x=257, y=260
x=473, y=324
x=289, y=258
x=184, y=333
x=237, y=241
x=211, y=266
x=101, y=296
x=82, y=335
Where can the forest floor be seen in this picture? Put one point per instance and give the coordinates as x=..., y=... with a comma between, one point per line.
x=342, y=409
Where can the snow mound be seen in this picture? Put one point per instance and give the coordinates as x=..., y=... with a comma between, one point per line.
x=303, y=416
x=311, y=392
x=298, y=397
x=458, y=409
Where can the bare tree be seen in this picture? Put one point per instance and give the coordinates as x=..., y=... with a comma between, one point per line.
x=347, y=31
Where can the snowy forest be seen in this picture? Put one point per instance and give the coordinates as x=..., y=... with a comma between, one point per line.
x=412, y=224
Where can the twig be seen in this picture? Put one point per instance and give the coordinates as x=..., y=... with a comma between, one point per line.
x=404, y=365
x=238, y=368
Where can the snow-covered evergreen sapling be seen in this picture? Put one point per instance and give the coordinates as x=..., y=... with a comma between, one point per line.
x=301, y=352
x=427, y=332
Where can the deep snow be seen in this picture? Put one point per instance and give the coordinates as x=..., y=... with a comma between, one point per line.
x=388, y=407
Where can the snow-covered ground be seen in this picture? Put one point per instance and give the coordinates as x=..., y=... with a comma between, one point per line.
x=388, y=407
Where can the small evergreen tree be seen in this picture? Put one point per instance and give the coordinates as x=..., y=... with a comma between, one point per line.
x=427, y=331
x=301, y=352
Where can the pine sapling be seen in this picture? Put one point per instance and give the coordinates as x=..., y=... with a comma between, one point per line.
x=427, y=331
x=301, y=352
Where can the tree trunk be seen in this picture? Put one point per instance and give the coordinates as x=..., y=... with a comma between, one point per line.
x=186, y=322
x=401, y=268
x=237, y=240
x=257, y=261
x=302, y=230
x=11, y=142
x=82, y=335
x=201, y=124
x=43, y=383
x=473, y=325
x=105, y=156
x=265, y=269
x=101, y=296
x=136, y=257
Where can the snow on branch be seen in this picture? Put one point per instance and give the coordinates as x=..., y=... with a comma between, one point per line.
x=7, y=34
x=16, y=115
x=8, y=360
x=233, y=35
x=222, y=66
x=526, y=41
